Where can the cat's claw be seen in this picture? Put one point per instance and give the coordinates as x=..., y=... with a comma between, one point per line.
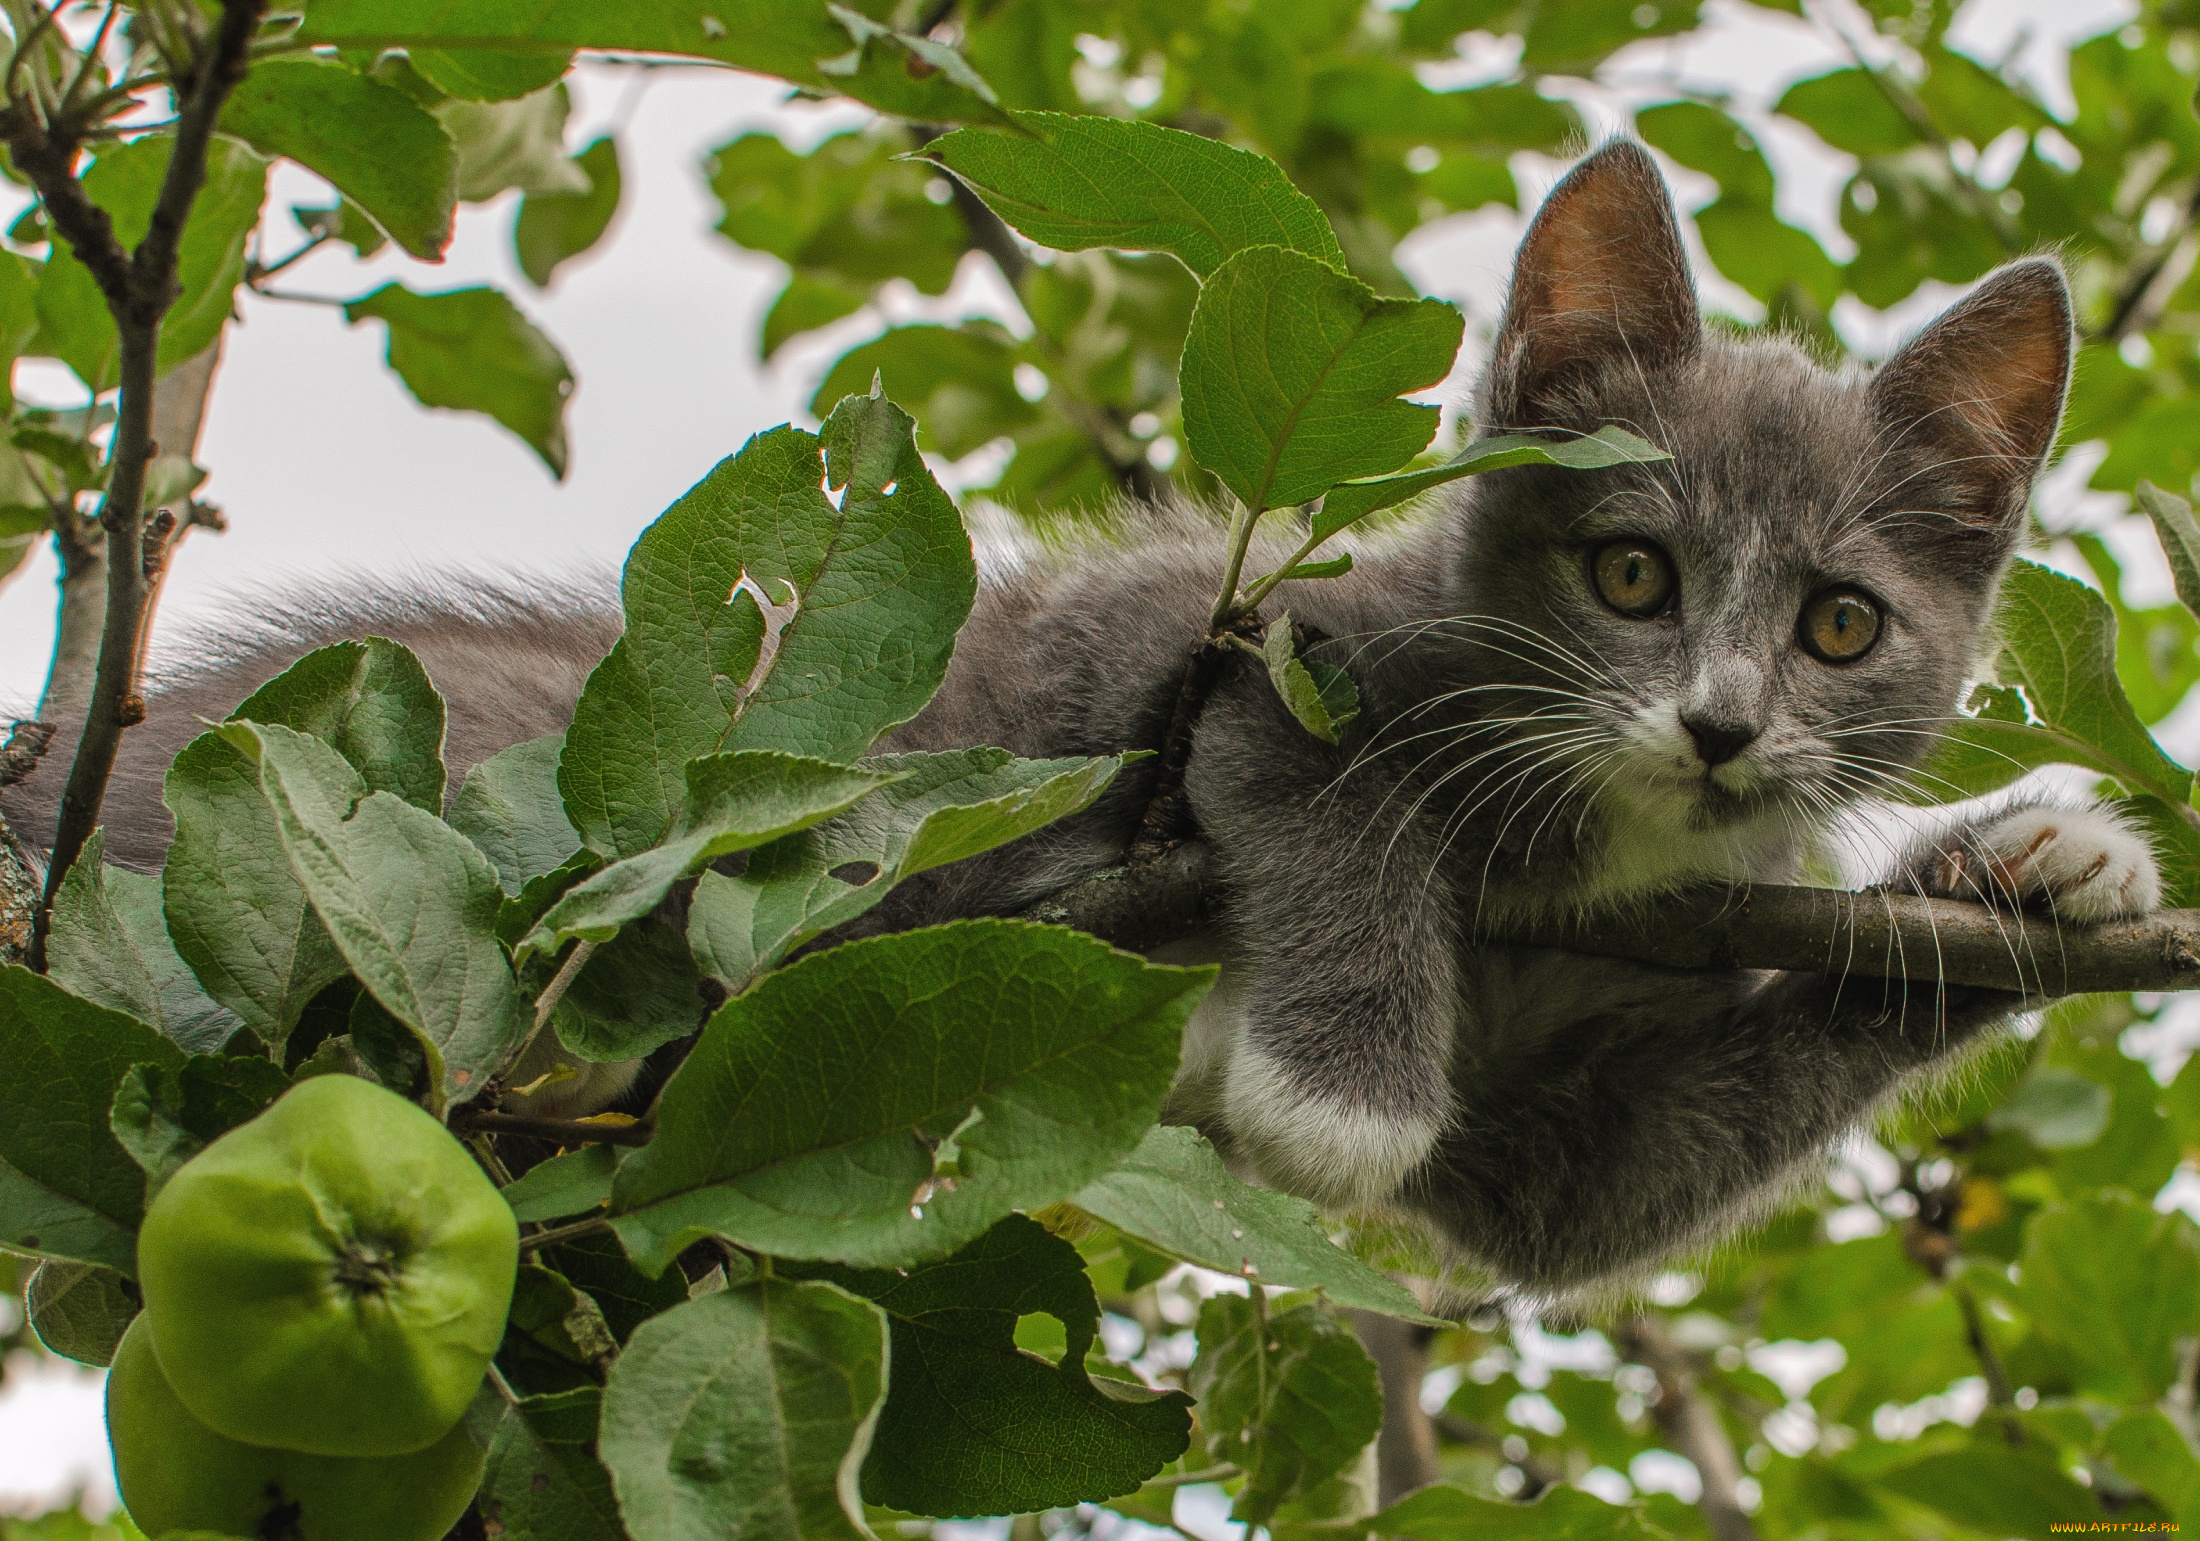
x=2083, y=864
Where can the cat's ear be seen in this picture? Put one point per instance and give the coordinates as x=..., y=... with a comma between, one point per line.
x=1601, y=278
x=1980, y=392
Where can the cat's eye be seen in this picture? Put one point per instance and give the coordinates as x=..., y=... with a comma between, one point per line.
x=1839, y=626
x=1634, y=577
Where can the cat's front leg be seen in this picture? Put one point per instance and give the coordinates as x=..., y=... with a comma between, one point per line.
x=2078, y=863
x=1336, y=1084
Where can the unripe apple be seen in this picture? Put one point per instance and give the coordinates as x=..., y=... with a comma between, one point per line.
x=332, y=1276
x=177, y=1474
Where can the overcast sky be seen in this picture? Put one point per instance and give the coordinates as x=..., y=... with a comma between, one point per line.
x=328, y=470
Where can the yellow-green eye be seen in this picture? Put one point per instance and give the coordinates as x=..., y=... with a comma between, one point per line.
x=1634, y=577
x=1838, y=626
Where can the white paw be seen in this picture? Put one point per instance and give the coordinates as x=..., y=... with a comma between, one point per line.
x=1335, y=1154
x=2084, y=864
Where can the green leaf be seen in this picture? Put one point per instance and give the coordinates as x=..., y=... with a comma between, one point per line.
x=734, y=802
x=1292, y=371
x=809, y=301
x=1346, y=505
x=164, y=1115
x=1290, y=1398
x=388, y=156
x=945, y=807
x=1443, y=1513
x=2147, y=1448
x=638, y=992
x=2055, y=1108
x=126, y=182
x=67, y=1189
x=407, y=900
x=1849, y=111
x=1322, y=696
x=2059, y=646
x=110, y=945
x=342, y=221
x=1073, y=183
x=509, y=806
x=571, y=1184
x=541, y=1483
x=747, y=1413
x=1995, y=1487
x=504, y=145
x=2180, y=536
x=853, y=211
x=471, y=350
x=793, y=39
x=2115, y=1285
x=372, y=703
x=481, y=75
x=1173, y=1193
x=555, y=227
x=80, y=1310
x=973, y=1424
x=235, y=911
x=959, y=381
x=880, y=586
x=771, y=1135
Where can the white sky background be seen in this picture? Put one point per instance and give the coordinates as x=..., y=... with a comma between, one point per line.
x=328, y=470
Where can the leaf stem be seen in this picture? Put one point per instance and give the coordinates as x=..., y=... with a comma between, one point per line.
x=1222, y=1473
x=566, y=1131
x=1228, y=607
x=1262, y=587
x=551, y=1236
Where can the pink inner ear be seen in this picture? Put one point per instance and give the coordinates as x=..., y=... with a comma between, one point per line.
x=1601, y=275
x=1989, y=376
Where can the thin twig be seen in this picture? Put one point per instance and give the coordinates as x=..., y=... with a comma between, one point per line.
x=566, y=1131
x=552, y=1235
x=1693, y=1426
x=139, y=289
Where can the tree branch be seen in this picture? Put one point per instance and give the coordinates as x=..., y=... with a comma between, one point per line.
x=1693, y=1425
x=139, y=289
x=1808, y=930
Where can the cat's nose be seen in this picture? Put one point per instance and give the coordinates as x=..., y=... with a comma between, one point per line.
x=1718, y=741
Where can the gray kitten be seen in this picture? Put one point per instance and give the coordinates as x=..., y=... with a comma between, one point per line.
x=1579, y=690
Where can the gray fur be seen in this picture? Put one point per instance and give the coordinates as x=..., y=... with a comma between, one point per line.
x=1522, y=747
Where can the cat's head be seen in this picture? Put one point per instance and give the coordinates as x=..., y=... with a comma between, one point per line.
x=1772, y=623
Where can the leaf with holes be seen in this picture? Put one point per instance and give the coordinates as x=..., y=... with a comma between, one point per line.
x=747, y=1413
x=975, y=1425
x=807, y=1121
x=1292, y=373
x=1289, y=1397
x=878, y=588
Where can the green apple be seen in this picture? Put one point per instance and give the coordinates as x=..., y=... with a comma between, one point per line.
x=332, y=1276
x=177, y=1474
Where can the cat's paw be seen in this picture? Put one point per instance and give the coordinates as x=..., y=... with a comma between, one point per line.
x=1336, y=1154
x=2083, y=864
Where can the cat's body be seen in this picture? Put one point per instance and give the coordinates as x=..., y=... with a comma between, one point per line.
x=1524, y=744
